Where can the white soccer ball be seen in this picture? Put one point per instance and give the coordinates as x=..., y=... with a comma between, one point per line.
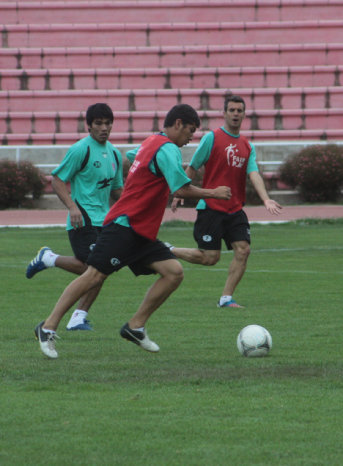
x=254, y=341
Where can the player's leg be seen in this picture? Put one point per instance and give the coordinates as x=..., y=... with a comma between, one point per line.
x=208, y=234
x=154, y=257
x=171, y=275
x=237, y=238
x=237, y=267
x=46, y=330
x=196, y=256
x=82, y=242
x=100, y=265
x=77, y=288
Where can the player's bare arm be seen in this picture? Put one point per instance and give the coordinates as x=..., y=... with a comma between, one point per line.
x=193, y=192
x=257, y=181
x=62, y=192
x=190, y=172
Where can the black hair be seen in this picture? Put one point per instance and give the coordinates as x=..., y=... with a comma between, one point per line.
x=233, y=98
x=98, y=111
x=185, y=113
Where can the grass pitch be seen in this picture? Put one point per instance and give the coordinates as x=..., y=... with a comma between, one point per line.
x=197, y=402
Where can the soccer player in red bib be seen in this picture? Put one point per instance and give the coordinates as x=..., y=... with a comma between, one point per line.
x=129, y=235
x=227, y=157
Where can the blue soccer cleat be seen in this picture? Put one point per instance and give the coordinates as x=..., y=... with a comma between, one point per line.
x=37, y=265
x=85, y=325
x=231, y=303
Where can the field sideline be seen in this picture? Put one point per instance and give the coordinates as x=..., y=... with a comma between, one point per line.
x=197, y=402
x=256, y=214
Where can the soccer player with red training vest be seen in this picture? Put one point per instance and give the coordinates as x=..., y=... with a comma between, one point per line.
x=129, y=235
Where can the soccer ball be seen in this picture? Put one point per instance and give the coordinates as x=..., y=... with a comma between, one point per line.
x=254, y=341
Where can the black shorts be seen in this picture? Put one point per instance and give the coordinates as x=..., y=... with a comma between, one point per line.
x=211, y=226
x=83, y=240
x=119, y=246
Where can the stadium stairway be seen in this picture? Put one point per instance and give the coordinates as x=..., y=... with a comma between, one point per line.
x=141, y=57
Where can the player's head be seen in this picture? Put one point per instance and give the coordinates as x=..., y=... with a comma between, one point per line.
x=181, y=123
x=234, y=113
x=98, y=111
x=99, y=119
x=233, y=98
x=182, y=112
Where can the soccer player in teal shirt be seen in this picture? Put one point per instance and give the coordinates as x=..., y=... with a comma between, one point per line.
x=93, y=167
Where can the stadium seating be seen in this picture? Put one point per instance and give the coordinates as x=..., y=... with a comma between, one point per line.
x=142, y=57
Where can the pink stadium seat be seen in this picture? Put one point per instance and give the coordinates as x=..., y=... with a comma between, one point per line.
x=142, y=57
x=146, y=11
x=137, y=137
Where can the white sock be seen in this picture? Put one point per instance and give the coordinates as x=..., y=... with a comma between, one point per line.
x=79, y=314
x=140, y=329
x=49, y=258
x=224, y=299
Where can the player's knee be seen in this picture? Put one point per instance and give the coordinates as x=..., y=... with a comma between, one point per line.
x=243, y=252
x=176, y=276
x=210, y=259
x=94, y=277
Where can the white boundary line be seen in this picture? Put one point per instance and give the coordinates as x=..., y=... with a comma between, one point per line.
x=50, y=225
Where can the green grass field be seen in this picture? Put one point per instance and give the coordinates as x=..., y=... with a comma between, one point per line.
x=197, y=402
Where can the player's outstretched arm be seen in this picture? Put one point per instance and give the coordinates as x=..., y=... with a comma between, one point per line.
x=257, y=181
x=193, y=192
x=191, y=172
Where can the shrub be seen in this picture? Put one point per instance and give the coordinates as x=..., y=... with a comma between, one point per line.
x=17, y=181
x=316, y=172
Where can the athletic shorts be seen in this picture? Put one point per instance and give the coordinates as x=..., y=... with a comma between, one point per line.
x=120, y=246
x=211, y=226
x=83, y=240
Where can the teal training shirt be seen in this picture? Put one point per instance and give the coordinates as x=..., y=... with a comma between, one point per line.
x=203, y=152
x=91, y=179
x=169, y=161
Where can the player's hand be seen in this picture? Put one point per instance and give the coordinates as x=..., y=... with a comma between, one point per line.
x=223, y=192
x=272, y=206
x=175, y=202
x=76, y=219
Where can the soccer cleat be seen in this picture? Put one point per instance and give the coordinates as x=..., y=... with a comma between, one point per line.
x=231, y=303
x=46, y=341
x=85, y=325
x=139, y=337
x=37, y=265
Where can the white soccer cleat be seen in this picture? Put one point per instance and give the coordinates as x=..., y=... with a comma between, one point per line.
x=46, y=341
x=140, y=338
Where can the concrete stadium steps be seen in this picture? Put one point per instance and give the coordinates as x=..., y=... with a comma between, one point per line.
x=137, y=137
x=162, y=99
x=302, y=54
x=145, y=121
x=169, y=78
x=168, y=11
x=155, y=34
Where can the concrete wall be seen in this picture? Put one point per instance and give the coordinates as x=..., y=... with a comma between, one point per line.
x=269, y=154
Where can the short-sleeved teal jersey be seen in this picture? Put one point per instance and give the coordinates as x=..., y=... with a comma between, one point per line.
x=93, y=170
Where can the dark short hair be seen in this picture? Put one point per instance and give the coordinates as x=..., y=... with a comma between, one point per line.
x=98, y=111
x=233, y=98
x=185, y=113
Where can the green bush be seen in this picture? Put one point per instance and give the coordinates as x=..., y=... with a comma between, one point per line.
x=316, y=172
x=18, y=181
